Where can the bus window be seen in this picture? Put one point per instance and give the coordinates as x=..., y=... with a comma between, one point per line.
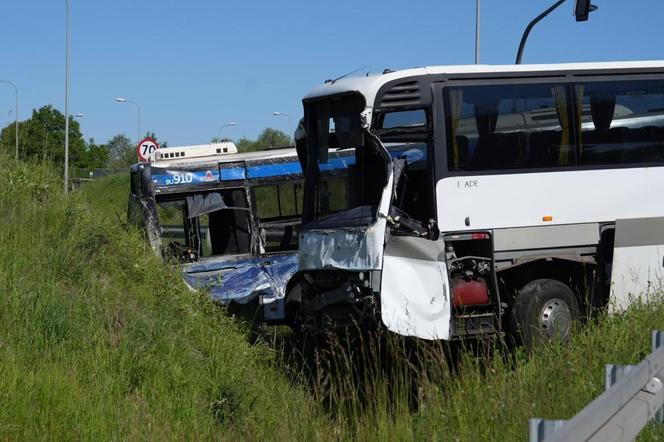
x=621, y=122
x=512, y=126
x=404, y=119
x=278, y=201
x=211, y=231
x=279, y=208
x=332, y=195
x=171, y=218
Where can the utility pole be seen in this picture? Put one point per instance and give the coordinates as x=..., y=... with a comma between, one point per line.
x=477, y=32
x=66, y=177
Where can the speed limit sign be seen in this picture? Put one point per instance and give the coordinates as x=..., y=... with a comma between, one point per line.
x=145, y=148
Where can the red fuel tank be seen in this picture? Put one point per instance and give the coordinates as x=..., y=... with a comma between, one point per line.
x=471, y=292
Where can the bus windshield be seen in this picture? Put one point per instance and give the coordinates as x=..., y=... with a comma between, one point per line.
x=399, y=137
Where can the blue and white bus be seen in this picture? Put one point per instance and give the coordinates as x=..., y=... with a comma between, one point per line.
x=230, y=220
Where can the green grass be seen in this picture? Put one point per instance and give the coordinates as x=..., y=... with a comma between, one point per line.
x=100, y=340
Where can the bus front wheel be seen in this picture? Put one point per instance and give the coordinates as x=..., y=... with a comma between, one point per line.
x=544, y=310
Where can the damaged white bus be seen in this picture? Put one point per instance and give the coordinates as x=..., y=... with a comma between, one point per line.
x=526, y=196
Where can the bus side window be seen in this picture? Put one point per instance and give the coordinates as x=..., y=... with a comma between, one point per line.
x=172, y=221
x=508, y=126
x=620, y=121
x=279, y=208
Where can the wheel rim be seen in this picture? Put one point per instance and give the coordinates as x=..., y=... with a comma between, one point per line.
x=556, y=319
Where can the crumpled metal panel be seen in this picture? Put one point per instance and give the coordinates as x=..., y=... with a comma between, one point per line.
x=351, y=248
x=242, y=280
x=415, y=293
x=359, y=248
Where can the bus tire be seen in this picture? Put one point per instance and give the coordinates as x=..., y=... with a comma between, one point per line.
x=544, y=310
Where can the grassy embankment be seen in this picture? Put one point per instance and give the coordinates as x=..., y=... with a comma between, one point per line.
x=99, y=340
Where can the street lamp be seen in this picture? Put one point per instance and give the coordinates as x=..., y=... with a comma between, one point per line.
x=290, y=121
x=122, y=100
x=15, y=110
x=581, y=11
x=78, y=115
x=66, y=177
x=231, y=124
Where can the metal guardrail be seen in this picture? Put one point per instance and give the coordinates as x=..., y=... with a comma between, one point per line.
x=633, y=396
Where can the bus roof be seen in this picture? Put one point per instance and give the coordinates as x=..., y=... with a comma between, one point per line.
x=369, y=85
x=258, y=155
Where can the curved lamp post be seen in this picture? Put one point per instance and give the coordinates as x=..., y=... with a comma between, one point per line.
x=581, y=11
x=122, y=100
x=290, y=121
x=231, y=124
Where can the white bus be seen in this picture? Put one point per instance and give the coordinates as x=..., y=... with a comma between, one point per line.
x=526, y=195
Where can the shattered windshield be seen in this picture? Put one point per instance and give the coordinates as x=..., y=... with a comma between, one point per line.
x=204, y=224
x=334, y=124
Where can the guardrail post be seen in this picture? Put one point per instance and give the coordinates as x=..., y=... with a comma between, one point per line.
x=632, y=394
x=541, y=429
x=613, y=373
x=657, y=340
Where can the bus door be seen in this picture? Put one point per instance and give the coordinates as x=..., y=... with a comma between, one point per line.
x=637, y=269
x=415, y=290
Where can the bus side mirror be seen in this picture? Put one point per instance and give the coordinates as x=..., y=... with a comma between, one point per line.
x=582, y=9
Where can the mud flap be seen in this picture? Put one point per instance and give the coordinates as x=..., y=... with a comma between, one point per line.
x=415, y=294
x=638, y=262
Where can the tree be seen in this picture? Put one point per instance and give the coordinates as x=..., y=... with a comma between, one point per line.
x=268, y=139
x=272, y=138
x=95, y=157
x=43, y=136
x=219, y=140
x=246, y=145
x=154, y=137
x=121, y=152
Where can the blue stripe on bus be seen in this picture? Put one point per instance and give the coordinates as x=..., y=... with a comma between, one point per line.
x=174, y=177
x=232, y=174
x=276, y=169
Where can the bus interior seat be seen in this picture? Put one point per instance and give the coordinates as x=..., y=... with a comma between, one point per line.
x=500, y=151
x=544, y=148
x=485, y=153
x=593, y=142
x=645, y=144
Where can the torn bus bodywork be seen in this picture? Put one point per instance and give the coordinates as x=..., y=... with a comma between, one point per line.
x=365, y=265
x=229, y=221
x=535, y=176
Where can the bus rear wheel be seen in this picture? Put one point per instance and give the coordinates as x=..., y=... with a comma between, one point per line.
x=544, y=310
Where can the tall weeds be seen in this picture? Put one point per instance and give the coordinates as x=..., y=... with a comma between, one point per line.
x=100, y=340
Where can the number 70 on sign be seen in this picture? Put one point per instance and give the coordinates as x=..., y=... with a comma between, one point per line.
x=145, y=147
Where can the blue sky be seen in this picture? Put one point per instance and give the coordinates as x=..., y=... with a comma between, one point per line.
x=196, y=64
